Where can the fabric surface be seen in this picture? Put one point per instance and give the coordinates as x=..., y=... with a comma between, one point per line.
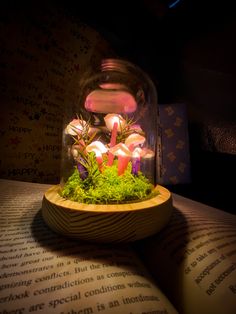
x=173, y=162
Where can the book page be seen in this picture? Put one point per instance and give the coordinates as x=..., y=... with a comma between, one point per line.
x=194, y=258
x=44, y=272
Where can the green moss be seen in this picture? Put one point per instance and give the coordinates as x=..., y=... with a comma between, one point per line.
x=106, y=186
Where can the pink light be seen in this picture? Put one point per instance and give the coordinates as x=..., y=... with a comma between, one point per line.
x=110, y=159
x=112, y=143
x=112, y=86
x=124, y=155
x=98, y=157
x=136, y=128
x=108, y=100
x=114, y=134
x=123, y=161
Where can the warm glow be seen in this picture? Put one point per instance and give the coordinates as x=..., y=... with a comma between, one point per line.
x=97, y=147
x=137, y=152
x=124, y=155
x=111, y=118
x=75, y=127
x=134, y=140
x=121, y=150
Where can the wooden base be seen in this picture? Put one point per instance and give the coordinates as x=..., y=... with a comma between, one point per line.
x=107, y=223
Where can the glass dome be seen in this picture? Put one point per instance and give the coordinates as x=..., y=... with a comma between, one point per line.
x=109, y=143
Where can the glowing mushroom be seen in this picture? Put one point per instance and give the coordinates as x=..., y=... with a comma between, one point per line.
x=98, y=148
x=147, y=153
x=75, y=127
x=133, y=140
x=112, y=118
x=136, y=128
x=124, y=154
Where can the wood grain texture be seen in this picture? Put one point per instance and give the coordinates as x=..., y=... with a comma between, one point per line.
x=108, y=222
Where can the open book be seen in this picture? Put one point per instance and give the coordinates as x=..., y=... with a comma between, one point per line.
x=189, y=267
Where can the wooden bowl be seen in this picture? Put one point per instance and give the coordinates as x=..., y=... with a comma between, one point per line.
x=107, y=223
